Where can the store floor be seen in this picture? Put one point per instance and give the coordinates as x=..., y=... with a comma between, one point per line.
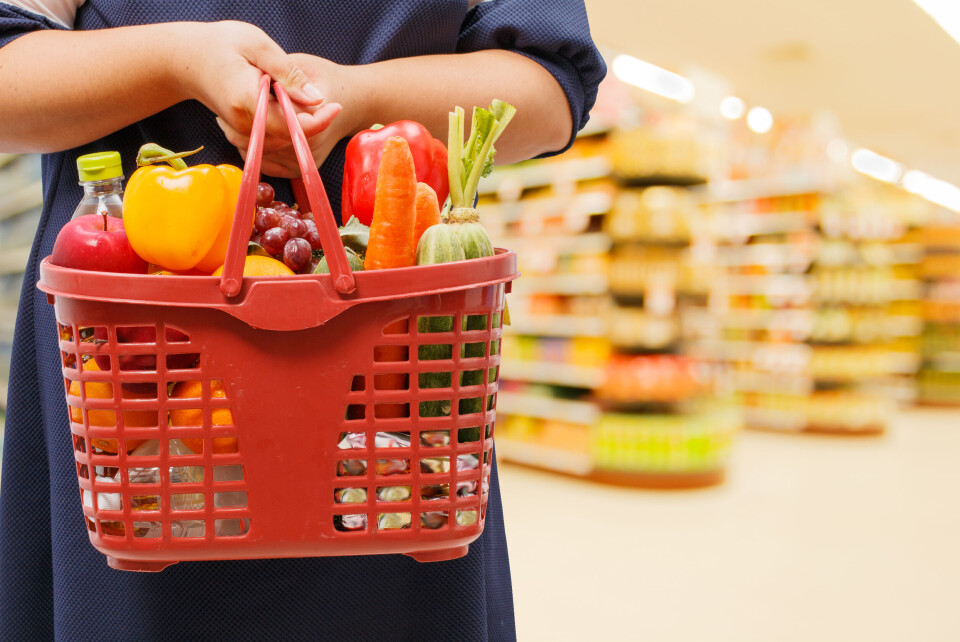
x=811, y=539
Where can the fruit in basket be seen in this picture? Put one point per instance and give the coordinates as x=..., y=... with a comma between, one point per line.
x=103, y=417
x=364, y=157
x=174, y=215
x=297, y=254
x=274, y=240
x=98, y=243
x=266, y=218
x=256, y=265
x=218, y=251
x=265, y=194
x=194, y=416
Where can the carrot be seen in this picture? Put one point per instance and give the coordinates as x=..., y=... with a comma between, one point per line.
x=428, y=211
x=391, y=243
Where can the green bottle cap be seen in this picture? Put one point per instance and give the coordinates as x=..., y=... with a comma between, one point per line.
x=99, y=166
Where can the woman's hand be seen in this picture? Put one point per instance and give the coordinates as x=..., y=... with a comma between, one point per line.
x=224, y=73
x=340, y=85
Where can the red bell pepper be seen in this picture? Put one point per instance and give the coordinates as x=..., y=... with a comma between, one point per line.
x=362, y=163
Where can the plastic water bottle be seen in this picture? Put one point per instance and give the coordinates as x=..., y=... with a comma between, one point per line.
x=101, y=176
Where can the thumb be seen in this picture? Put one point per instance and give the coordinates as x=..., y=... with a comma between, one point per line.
x=281, y=67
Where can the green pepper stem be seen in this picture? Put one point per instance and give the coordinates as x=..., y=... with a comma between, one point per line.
x=152, y=153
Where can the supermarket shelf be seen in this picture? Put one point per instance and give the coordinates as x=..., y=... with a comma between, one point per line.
x=591, y=243
x=570, y=284
x=589, y=203
x=559, y=374
x=746, y=190
x=732, y=226
x=564, y=461
x=774, y=419
x=557, y=325
x=22, y=199
x=764, y=383
x=543, y=174
x=769, y=284
x=13, y=260
x=551, y=408
x=765, y=254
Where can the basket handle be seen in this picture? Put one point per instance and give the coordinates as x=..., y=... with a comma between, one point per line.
x=309, y=186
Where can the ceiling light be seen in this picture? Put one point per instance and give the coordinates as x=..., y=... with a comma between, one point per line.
x=876, y=166
x=645, y=75
x=933, y=189
x=946, y=13
x=732, y=107
x=760, y=120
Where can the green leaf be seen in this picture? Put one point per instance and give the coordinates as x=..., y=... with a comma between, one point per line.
x=256, y=249
x=355, y=235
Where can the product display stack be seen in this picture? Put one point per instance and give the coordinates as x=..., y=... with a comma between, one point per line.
x=865, y=327
x=939, y=378
x=599, y=385
x=818, y=309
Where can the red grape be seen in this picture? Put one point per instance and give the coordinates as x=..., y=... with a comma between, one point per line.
x=312, y=236
x=266, y=218
x=274, y=239
x=307, y=216
x=297, y=254
x=256, y=238
x=278, y=205
x=294, y=226
x=264, y=194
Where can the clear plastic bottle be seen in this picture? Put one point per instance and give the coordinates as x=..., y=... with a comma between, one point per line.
x=101, y=176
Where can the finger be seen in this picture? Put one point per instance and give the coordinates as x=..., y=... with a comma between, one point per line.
x=279, y=170
x=273, y=60
x=318, y=120
x=238, y=140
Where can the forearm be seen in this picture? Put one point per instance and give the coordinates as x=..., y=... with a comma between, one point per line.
x=426, y=88
x=66, y=88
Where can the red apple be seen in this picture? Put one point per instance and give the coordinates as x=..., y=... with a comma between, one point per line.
x=98, y=243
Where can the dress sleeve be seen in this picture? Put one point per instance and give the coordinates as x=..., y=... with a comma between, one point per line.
x=16, y=21
x=554, y=33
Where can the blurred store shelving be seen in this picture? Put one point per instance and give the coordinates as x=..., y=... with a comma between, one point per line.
x=19, y=216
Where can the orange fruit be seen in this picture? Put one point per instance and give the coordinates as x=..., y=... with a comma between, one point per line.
x=257, y=265
x=100, y=417
x=194, y=416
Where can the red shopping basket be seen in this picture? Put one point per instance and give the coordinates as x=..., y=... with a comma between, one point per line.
x=305, y=420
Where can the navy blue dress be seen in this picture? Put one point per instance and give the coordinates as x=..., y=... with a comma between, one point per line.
x=53, y=583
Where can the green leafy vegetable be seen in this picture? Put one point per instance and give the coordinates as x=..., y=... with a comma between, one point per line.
x=467, y=163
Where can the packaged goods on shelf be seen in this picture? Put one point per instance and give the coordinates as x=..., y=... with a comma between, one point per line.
x=648, y=157
x=665, y=444
x=660, y=214
x=637, y=329
x=939, y=378
x=606, y=273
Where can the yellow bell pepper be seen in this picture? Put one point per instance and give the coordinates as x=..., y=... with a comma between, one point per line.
x=218, y=251
x=174, y=215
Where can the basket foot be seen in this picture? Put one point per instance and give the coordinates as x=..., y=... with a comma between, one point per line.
x=440, y=554
x=144, y=566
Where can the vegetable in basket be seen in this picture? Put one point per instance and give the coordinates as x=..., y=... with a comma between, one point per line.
x=363, y=158
x=459, y=238
x=179, y=217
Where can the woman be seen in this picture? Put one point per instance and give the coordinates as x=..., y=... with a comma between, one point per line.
x=79, y=77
